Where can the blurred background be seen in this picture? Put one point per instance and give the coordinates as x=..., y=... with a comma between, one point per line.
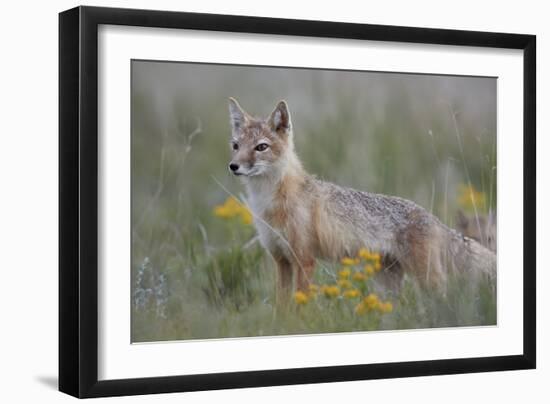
x=197, y=273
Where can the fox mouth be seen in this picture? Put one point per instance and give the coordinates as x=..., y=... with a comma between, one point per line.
x=254, y=171
x=248, y=174
x=239, y=173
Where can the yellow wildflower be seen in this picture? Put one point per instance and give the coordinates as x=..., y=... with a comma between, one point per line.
x=350, y=261
x=385, y=307
x=359, y=277
x=330, y=291
x=300, y=298
x=371, y=301
x=351, y=293
x=376, y=257
x=344, y=283
x=246, y=216
x=364, y=253
x=344, y=273
x=228, y=209
x=369, y=269
x=469, y=198
x=233, y=208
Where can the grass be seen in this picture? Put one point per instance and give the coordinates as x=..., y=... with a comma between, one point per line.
x=228, y=291
x=199, y=273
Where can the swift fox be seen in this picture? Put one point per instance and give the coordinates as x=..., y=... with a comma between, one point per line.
x=300, y=218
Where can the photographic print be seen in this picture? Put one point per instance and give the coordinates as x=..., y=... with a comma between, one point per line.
x=226, y=186
x=274, y=201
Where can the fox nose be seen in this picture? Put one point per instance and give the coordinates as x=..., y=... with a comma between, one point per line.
x=233, y=167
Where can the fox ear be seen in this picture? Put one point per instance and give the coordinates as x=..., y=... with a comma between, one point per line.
x=279, y=120
x=236, y=114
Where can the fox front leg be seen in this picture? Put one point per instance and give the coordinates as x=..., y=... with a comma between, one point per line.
x=304, y=274
x=284, y=279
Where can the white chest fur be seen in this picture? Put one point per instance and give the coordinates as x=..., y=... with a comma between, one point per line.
x=261, y=198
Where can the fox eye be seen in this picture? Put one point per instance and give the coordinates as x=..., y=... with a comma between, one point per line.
x=262, y=147
x=235, y=146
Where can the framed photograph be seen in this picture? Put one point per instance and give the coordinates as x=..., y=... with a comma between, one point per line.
x=251, y=201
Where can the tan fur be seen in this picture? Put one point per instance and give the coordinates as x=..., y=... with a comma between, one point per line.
x=481, y=228
x=300, y=218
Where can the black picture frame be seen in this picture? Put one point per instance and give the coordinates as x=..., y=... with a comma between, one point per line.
x=78, y=201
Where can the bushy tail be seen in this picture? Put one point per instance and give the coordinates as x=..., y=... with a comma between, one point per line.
x=470, y=256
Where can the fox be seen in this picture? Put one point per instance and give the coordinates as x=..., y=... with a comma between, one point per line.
x=301, y=219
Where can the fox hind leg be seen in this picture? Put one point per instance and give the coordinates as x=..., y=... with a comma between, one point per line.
x=422, y=256
x=435, y=271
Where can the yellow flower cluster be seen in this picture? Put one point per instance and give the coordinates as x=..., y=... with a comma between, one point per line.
x=372, y=264
x=470, y=198
x=350, y=261
x=344, y=273
x=233, y=208
x=352, y=293
x=330, y=291
x=344, y=283
x=300, y=298
x=351, y=284
x=372, y=302
x=366, y=255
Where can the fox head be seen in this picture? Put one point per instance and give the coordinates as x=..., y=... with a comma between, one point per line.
x=259, y=146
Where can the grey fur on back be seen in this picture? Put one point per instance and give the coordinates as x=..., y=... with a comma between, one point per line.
x=379, y=221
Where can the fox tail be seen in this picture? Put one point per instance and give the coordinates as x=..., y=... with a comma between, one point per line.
x=469, y=255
